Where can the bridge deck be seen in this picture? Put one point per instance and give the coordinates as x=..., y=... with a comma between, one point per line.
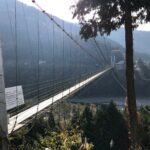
x=16, y=122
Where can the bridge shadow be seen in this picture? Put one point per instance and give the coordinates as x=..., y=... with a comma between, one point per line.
x=101, y=90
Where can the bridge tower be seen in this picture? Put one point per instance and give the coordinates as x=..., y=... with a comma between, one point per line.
x=113, y=60
x=3, y=112
x=113, y=57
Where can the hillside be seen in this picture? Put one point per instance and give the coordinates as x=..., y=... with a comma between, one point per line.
x=27, y=20
x=141, y=42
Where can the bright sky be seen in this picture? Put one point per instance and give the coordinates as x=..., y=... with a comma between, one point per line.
x=61, y=8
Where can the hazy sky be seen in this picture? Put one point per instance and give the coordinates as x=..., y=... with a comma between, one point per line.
x=61, y=8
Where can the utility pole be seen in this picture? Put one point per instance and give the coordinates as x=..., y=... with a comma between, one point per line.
x=3, y=112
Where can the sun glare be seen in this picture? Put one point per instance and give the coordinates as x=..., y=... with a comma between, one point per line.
x=59, y=8
x=145, y=27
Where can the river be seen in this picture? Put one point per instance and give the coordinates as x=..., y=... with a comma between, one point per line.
x=120, y=101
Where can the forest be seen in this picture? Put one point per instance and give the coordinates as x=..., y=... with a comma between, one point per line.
x=69, y=126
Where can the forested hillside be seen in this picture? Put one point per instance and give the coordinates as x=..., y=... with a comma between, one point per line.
x=141, y=42
x=27, y=20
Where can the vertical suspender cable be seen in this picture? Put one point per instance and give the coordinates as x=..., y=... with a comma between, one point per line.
x=70, y=64
x=63, y=68
x=98, y=52
x=38, y=70
x=70, y=67
x=16, y=57
x=95, y=48
x=115, y=76
x=76, y=65
x=101, y=52
x=53, y=68
x=79, y=63
x=106, y=47
x=30, y=46
x=38, y=58
x=10, y=22
x=65, y=32
x=63, y=59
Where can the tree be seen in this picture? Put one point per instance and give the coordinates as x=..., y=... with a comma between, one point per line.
x=110, y=126
x=87, y=124
x=106, y=16
x=51, y=121
x=75, y=120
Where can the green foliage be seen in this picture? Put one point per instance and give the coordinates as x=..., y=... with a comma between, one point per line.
x=87, y=124
x=31, y=135
x=108, y=15
x=43, y=133
x=87, y=130
x=71, y=139
x=17, y=140
x=36, y=129
x=75, y=120
x=144, y=129
x=110, y=125
x=65, y=140
x=51, y=121
x=51, y=140
x=107, y=125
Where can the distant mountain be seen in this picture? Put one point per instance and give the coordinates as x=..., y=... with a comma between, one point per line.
x=27, y=20
x=35, y=31
x=141, y=41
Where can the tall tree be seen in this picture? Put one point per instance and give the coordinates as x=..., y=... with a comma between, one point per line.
x=102, y=17
x=87, y=123
x=110, y=126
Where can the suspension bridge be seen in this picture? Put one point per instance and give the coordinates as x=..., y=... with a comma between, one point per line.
x=47, y=74
x=20, y=117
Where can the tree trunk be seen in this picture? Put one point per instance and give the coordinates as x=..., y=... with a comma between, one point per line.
x=131, y=97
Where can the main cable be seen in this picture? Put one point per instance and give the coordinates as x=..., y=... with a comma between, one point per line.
x=115, y=76
x=67, y=34
x=100, y=50
x=97, y=51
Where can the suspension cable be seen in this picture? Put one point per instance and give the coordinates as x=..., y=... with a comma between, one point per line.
x=16, y=71
x=53, y=68
x=65, y=32
x=10, y=22
x=70, y=49
x=38, y=60
x=28, y=37
x=115, y=76
x=97, y=50
x=100, y=50
x=63, y=56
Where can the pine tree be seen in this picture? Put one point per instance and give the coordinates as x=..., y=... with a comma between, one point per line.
x=110, y=126
x=51, y=121
x=87, y=124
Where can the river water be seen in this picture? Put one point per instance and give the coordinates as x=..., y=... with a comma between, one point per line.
x=120, y=101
